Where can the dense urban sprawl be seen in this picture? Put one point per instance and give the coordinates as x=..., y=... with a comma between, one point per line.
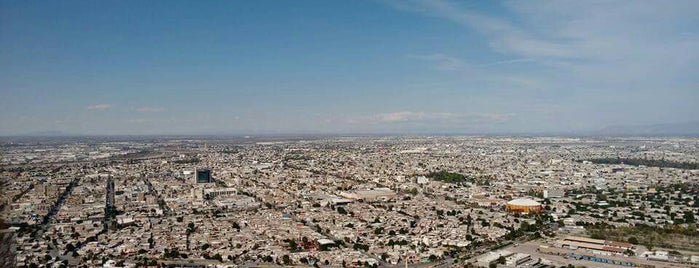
x=351, y=201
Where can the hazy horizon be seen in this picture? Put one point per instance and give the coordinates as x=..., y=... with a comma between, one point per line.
x=357, y=67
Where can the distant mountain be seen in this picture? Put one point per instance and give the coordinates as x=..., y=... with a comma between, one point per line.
x=667, y=129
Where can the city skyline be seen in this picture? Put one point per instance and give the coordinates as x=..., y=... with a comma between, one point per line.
x=366, y=67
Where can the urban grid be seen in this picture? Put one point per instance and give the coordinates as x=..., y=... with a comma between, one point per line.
x=365, y=201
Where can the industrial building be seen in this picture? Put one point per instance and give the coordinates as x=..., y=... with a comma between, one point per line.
x=575, y=242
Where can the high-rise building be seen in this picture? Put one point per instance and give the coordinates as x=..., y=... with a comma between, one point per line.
x=203, y=175
x=7, y=248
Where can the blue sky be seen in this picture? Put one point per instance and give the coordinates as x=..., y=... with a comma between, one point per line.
x=271, y=67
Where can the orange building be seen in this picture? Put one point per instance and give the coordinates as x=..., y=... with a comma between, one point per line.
x=524, y=205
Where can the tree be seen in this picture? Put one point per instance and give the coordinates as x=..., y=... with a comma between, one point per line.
x=689, y=216
x=378, y=230
x=191, y=228
x=633, y=240
x=286, y=259
x=218, y=257
x=292, y=245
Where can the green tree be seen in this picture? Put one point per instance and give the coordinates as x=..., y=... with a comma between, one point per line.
x=286, y=259
x=191, y=228
x=218, y=257
x=633, y=240
x=689, y=216
x=292, y=245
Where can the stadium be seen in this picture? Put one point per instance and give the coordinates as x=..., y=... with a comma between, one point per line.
x=524, y=205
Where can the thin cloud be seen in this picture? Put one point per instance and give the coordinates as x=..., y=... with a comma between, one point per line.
x=441, y=61
x=505, y=62
x=149, y=110
x=431, y=117
x=562, y=30
x=504, y=36
x=138, y=120
x=99, y=107
x=638, y=55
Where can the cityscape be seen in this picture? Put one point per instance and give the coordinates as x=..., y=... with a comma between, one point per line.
x=349, y=133
x=377, y=201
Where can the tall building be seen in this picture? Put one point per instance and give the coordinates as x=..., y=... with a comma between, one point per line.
x=7, y=248
x=203, y=175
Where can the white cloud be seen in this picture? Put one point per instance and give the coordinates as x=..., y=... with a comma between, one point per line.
x=607, y=60
x=567, y=30
x=431, y=117
x=149, y=110
x=99, y=107
x=398, y=117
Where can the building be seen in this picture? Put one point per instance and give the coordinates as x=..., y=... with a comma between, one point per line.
x=554, y=193
x=517, y=259
x=7, y=248
x=524, y=205
x=575, y=242
x=214, y=192
x=492, y=257
x=203, y=175
x=422, y=180
x=376, y=194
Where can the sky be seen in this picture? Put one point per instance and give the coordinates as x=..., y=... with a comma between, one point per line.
x=333, y=67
